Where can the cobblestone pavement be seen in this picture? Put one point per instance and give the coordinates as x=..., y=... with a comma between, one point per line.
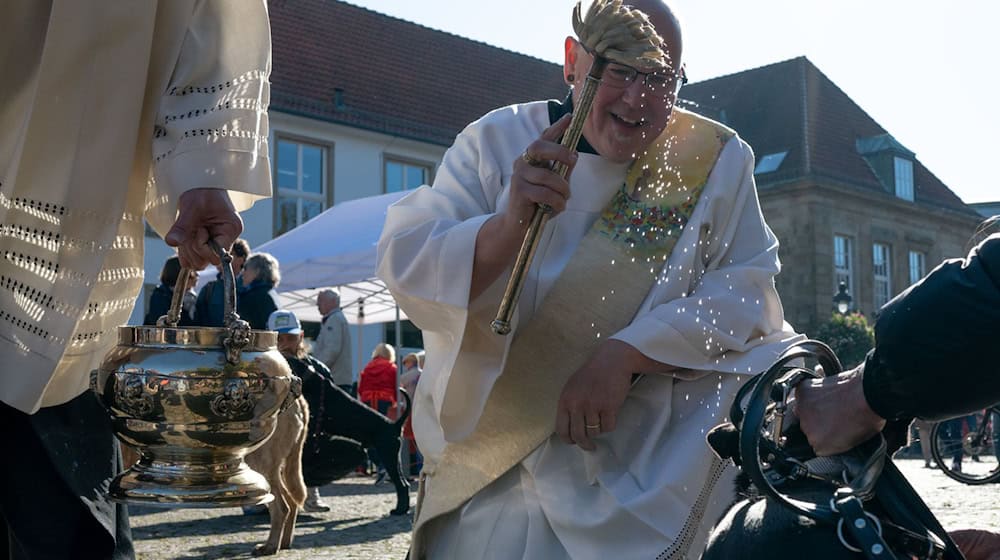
x=359, y=527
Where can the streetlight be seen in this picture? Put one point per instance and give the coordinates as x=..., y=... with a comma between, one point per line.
x=842, y=299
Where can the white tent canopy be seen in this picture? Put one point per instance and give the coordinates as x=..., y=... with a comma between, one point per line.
x=365, y=302
x=335, y=249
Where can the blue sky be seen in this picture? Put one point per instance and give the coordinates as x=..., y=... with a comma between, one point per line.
x=926, y=71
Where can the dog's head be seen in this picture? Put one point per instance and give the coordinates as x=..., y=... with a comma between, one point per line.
x=758, y=528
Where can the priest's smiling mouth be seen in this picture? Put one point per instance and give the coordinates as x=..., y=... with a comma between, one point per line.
x=628, y=122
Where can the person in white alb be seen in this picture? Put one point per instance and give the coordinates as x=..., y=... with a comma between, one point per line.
x=657, y=261
x=111, y=112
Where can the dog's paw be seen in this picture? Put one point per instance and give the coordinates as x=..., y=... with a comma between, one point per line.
x=398, y=511
x=266, y=549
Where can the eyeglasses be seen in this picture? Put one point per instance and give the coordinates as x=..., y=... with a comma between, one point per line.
x=621, y=76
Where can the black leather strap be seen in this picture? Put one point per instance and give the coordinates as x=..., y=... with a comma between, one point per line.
x=864, y=529
x=908, y=543
x=879, y=539
x=910, y=528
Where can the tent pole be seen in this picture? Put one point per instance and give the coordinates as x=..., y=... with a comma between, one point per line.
x=399, y=339
x=399, y=353
x=361, y=324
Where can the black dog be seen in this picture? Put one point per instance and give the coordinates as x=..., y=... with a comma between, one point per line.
x=756, y=527
x=347, y=417
x=759, y=527
x=341, y=427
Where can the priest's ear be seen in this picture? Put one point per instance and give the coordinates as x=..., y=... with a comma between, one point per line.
x=571, y=70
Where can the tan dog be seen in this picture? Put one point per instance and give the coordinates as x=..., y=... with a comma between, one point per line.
x=280, y=461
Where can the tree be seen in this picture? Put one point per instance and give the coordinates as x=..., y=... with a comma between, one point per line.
x=850, y=336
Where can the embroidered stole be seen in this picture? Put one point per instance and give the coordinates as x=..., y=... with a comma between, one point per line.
x=599, y=292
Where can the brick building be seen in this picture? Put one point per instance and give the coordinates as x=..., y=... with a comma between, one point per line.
x=847, y=201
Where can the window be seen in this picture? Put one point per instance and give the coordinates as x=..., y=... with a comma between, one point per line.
x=842, y=258
x=904, y=178
x=300, y=182
x=769, y=163
x=882, y=269
x=918, y=266
x=403, y=176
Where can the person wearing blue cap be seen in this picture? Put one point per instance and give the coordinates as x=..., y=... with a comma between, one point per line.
x=340, y=427
x=292, y=346
x=285, y=322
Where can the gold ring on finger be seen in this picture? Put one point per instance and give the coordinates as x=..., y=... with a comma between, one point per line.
x=531, y=160
x=596, y=426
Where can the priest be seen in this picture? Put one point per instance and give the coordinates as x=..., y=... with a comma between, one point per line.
x=650, y=300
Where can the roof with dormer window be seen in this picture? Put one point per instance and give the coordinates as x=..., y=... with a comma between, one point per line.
x=792, y=106
x=340, y=63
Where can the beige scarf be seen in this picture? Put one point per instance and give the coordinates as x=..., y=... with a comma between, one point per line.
x=609, y=276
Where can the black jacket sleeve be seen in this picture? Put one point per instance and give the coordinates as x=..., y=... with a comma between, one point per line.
x=256, y=305
x=159, y=304
x=936, y=344
x=203, y=305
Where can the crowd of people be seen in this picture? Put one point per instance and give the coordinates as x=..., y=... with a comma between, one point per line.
x=257, y=275
x=327, y=359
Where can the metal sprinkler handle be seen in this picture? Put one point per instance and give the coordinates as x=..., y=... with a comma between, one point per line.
x=237, y=330
x=501, y=324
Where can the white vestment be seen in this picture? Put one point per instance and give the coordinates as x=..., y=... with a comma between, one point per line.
x=653, y=485
x=110, y=110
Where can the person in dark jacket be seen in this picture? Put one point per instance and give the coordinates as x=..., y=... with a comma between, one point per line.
x=159, y=300
x=256, y=298
x=934, y=358
x=210, y=308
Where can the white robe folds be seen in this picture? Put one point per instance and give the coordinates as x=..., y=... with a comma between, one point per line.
x=110, y=110
x=653, y=486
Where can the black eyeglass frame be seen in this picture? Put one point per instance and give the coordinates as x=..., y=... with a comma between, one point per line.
x=680, y=77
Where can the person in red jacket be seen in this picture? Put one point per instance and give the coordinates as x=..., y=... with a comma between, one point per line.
x=377, y=388
x=378, y=381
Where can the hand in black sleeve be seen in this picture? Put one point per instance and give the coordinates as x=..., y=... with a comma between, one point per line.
x=937, y=344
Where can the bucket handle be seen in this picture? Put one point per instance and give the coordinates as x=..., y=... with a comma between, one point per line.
x=238, y=336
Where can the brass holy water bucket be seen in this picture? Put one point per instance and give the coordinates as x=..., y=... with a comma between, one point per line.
x=194, y=401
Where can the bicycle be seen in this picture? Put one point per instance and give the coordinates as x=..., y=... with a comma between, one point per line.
x=972, y=458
